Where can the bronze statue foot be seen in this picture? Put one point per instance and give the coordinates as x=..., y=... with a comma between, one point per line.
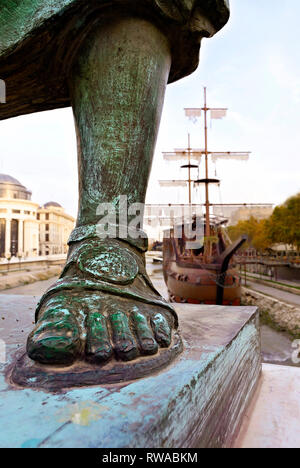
x=104, y=305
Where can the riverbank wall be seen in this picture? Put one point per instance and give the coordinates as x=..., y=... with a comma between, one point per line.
x=278, y=314
x=22, y=278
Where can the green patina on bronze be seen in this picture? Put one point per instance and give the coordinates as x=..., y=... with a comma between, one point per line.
x=124, y=344
x=94, y=301
x=109, y=263
x=98, y=344
x=133, y=283
x=145, y=338
x=20, y=18
x=117, y=91
x=56, y=339
x=39, y=40
x=111, y=60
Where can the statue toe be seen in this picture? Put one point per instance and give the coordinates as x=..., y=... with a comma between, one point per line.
x=123, y=339
x=145, y=338
x=55, y=339
x=98, y=346
x=161, y=329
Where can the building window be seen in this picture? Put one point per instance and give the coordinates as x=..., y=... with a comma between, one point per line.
x=17, y=211
x=47, y=227
x=2, y=237
x=38, y=216
x=47, y=217
x=27, y=212
x=47, y=237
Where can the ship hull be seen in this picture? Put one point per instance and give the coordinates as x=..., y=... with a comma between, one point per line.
x=190, y=280
x=203, y=288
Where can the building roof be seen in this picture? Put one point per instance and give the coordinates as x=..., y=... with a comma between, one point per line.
x=56, y=207
x=52, y=203
x=7, y=179
x=12, y=188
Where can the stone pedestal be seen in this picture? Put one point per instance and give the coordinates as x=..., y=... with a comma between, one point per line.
x=198, y=401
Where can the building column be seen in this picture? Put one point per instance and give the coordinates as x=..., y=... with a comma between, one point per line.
x=7, y=236
x=20, y=238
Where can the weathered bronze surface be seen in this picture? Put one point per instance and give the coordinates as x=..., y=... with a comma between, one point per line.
x=112, y=62
x=40, y=38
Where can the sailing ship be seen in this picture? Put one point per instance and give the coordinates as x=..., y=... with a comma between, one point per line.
x=198, y=256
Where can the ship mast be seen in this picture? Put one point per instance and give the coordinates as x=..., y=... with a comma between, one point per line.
x=190, y=180
x=215, y=113
x=197, y=155
x=207, y=218
x=187, y=155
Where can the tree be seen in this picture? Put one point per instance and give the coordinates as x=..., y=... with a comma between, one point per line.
x=256, y=230
x=284, y=224
x=282, y=227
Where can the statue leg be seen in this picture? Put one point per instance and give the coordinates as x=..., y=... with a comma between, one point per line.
x=104, y=304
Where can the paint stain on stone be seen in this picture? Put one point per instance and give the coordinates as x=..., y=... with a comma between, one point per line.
x=81, y=414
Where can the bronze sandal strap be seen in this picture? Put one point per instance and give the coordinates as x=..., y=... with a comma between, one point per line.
x=107, y=260
x=110, y=260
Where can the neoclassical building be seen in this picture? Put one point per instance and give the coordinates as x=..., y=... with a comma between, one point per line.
x=19, y=227
x=55, y=229
x=26, y=229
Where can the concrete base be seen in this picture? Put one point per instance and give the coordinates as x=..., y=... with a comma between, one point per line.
x=273, y=418
x=198, y=401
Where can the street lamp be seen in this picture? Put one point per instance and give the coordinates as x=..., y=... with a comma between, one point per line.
x=20, y=258
x=8, y=258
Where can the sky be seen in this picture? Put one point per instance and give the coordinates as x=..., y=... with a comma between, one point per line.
x=252, y=67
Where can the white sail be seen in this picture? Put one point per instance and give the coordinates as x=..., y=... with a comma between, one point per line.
x=174, y=156
x=193, y=114
x=218, y=113
x=230, y=155
x=173, y=183
x=181, y=154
